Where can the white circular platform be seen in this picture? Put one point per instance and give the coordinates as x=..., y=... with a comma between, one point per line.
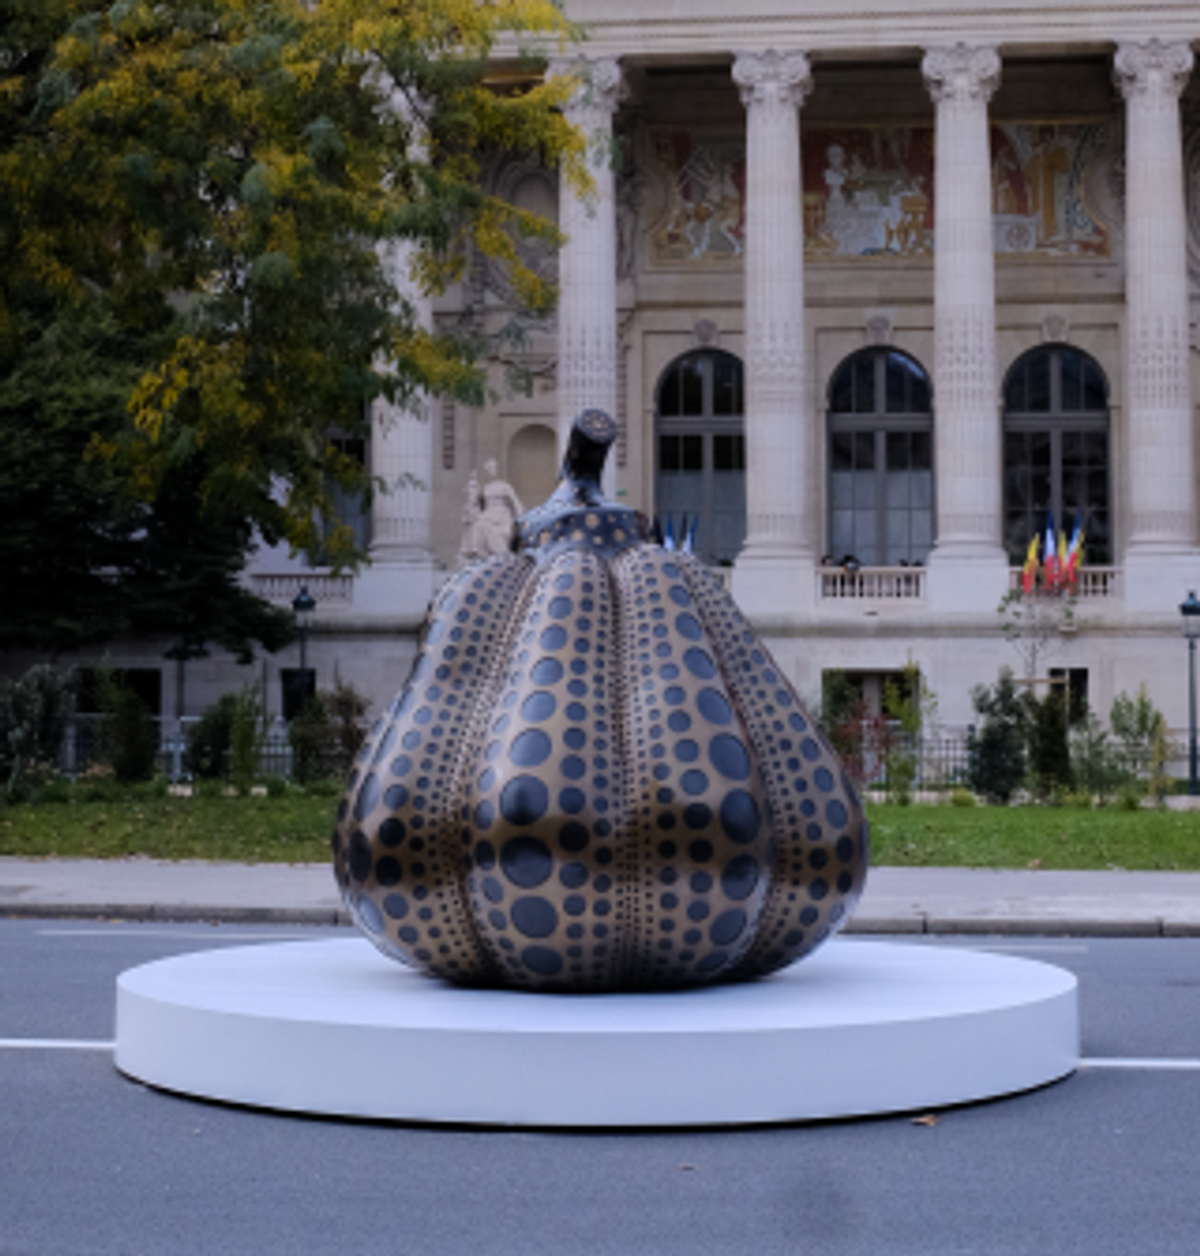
x=336, y=1029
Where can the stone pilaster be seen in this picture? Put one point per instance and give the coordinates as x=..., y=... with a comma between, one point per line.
x=774, y=571
x=1151, y=77
x=402, y=574
x=967, y=564
x=587, y=264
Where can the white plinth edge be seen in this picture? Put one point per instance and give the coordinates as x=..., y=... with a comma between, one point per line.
x=333, y=1028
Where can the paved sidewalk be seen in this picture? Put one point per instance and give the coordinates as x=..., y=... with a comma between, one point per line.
x=897, y=900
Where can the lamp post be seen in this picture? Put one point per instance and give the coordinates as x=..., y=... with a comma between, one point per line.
x=1190, y=610
x=303, y=606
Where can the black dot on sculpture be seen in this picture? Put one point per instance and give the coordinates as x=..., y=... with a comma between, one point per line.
x=835, y=813
x=573, y=875
x=530, y=748
x=699, y=663
x=542, y=960
x=574, y=904
x=712, y=961
x=526, y=861
x=573, y=837
x=573, y=767
x=560, y=608
x=713, y=706
x=368, y=796
x=740, y=877
x=688, y=626
x=554, y=638
x=687, y=751
x=845, y=849
x=575, y=739
x=823, y=779
x=391, y=832
x=360, y=856
x=493, y=891
x=697, y=816
x=388, y=870
x=679, y=721
x=396, y=906
x=700, y=851
x=572, y=800
x=524, y=800
x=818, y=889
x=729, y=757
x=739, y=816
x=538, y=706
x=534, y=917
x=680, y=596
x=727, y=926
x=485, y=855
x=546, y=672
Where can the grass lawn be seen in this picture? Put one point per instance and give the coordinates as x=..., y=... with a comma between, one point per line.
x=296, y=828
x=1037, y=837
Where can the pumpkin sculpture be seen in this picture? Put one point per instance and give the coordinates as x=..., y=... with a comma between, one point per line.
x=595, y=778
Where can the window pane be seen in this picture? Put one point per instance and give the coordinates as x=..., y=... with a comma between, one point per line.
x=1038, y=397
x=841, y=451
x=922, y=451
x=840, y=392
x=921, y=489
x=1094, y=396
x=919, y=401
x=693, y=453
x=1071, y=365
x=897, y=488
x=691, y=382
x=866, y=489
x=897, y=376
x=669, y=397
x=1014, y=389
x=864, y=451
x=729, y=452
x=841, y=489
x=727, y=384
x=898, y=450
x=864, y=384
x=865, y=548
x=669, y=453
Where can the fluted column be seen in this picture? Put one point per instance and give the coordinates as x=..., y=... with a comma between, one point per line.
x=773, y=86
x=402, y=449
x=961, y=80
x=1151, y=77
x=587, y=263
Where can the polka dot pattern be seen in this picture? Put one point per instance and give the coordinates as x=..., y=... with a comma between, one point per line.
x=596, y=778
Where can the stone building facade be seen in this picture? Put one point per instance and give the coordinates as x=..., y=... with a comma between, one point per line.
x=868, y=291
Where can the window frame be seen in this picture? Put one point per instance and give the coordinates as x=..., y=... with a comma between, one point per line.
x=880, y=422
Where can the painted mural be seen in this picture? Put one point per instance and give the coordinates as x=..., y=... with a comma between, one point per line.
x=868, y=192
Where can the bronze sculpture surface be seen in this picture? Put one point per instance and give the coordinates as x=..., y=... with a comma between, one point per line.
x=595, y=777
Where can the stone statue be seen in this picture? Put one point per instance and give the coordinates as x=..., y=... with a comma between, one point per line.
x=488, y=515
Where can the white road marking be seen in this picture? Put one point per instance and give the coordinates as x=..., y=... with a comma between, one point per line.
x=213, y=934
x=53, y=1044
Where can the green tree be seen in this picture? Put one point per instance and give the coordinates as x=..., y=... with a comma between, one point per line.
x=996, y=750
x=1049, y=750
x=241, y=166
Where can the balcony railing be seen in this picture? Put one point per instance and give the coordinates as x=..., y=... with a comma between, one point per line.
x=323, y=586
x=871, y=583
x=1091, y=582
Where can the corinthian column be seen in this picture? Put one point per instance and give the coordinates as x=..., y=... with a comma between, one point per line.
x=773, y=86
x=587, y=263
x=967, y=565
x=402, y=575
x=1151, y=77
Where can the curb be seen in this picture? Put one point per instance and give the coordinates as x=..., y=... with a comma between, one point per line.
x=910, y=924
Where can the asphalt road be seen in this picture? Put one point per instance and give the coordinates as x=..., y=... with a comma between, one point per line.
x=90, y=1162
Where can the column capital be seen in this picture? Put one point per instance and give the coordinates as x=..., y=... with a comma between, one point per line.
x=1153, y=68
x=599, y=83
x=961, y=72
x=770, y=77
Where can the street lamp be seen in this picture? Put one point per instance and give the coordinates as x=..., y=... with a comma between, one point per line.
x=1190, y=610
x=303, y=605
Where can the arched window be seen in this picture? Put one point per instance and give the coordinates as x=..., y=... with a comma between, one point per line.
x=1056, y=450
x=880, y=460
x=701, y=456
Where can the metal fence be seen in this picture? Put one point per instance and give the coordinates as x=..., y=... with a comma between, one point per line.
x=81, y=747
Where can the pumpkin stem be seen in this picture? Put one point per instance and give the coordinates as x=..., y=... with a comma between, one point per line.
x=592, y=434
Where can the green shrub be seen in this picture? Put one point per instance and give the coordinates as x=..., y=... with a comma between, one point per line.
x=1049, y=752
x=960, y=797
x=996, y=766
x=35, y=711
x=1095, y=760
x=247, y=737
x=207, y=755
x=327, y=734
x=128, y=733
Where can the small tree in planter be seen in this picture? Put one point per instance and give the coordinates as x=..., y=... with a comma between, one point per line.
x=996, y=766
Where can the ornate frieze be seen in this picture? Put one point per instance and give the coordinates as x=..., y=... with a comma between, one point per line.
x=1153, y=71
